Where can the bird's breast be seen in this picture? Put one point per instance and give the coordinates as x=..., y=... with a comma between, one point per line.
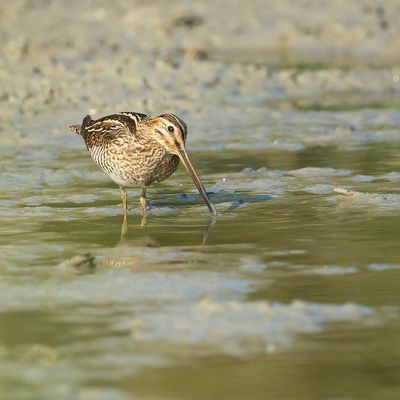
x=131, y=164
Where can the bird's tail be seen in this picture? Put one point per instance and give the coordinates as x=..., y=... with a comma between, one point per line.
x=75, y=128
x=80, y=129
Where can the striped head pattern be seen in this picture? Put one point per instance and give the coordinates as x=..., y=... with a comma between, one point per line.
x=170, y=132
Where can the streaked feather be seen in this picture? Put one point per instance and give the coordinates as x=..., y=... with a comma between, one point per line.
x=114, y=144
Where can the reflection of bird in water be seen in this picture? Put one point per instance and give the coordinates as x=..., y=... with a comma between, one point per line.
x=132, y=254
x=135, y=149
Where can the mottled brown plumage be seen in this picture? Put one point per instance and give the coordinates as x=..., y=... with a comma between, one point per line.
x=136, y=149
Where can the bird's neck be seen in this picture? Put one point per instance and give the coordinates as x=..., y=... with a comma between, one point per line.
x=147, y=142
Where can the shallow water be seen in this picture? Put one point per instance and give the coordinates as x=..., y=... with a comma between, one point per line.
x=291, y=293
x=292, y=283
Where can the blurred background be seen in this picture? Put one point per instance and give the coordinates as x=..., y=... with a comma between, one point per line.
x=292, y=293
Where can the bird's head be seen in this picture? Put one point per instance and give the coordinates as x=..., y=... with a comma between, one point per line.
x=170, y=132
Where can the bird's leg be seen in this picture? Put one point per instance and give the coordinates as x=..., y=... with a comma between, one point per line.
x=143, y=200
x=144, y=206
x=124, y=199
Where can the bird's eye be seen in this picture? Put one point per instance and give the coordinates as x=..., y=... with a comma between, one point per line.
x=170, y=129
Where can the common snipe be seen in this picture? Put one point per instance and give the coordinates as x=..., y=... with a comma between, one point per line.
x=136, y=149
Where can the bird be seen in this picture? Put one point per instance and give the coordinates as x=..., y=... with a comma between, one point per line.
x=136, y=150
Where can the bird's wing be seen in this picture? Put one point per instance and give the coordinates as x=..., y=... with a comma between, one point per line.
x=134, y=117
x=103, y=130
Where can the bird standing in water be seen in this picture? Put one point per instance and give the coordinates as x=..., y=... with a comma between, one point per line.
x=136, y=149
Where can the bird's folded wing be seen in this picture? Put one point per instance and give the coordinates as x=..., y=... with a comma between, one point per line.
x=100, y=131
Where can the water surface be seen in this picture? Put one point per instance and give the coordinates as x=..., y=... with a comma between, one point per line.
x=292, y=283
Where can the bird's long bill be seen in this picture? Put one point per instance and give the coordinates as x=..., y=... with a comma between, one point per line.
x=196, y=179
